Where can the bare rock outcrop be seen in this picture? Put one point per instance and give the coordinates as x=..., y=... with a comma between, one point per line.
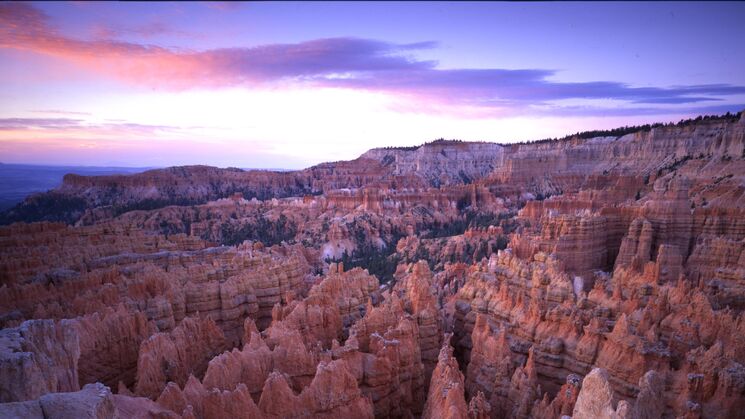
x=176, y=355
x=36, y=358
x=109, y=345
x=93, y=401
x=421, y=300
x=596, y=399
x=446, y=398
x=591, y=277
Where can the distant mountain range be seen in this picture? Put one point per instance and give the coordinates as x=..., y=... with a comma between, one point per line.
x=542, y=168
x=17, y=181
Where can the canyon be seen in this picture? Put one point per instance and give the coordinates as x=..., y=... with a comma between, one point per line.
x=593, y=276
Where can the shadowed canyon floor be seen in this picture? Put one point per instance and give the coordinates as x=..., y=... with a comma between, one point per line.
x=597, y=277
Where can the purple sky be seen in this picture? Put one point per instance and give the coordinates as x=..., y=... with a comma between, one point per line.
x=287, y=85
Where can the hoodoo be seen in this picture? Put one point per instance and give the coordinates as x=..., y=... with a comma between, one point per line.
x=619, y=295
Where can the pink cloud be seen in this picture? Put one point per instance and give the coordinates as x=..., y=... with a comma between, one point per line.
x=351, y=63
x=26, y=28
x=147, y=30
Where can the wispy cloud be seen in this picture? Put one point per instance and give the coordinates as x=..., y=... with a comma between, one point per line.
x=72, y=124
x=335, y=62
x=24, y=27
x=146, y=30
x=38, y=123
x=59, y=112
x=515, y=87
x=591, y=111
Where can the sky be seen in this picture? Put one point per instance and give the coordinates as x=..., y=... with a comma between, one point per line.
x=288, y=85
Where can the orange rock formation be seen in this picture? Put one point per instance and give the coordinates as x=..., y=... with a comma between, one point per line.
x=584, y=278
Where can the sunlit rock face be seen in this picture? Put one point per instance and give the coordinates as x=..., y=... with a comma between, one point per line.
x=442, y=162
x=587, y=278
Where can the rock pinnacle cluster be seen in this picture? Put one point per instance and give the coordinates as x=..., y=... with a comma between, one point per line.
x=588, y=278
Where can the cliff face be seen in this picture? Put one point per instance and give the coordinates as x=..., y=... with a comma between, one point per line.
x=591, y=278
x=551, y=167
x=566, y=165
x=293, y=370
x=38, y=357
x=446, y=398
x=503, y=320
x=442, y=162
x=174, y=356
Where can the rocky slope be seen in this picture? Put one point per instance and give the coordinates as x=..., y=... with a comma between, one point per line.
x=547, y=167
x=586, y=277
x=442, y=162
